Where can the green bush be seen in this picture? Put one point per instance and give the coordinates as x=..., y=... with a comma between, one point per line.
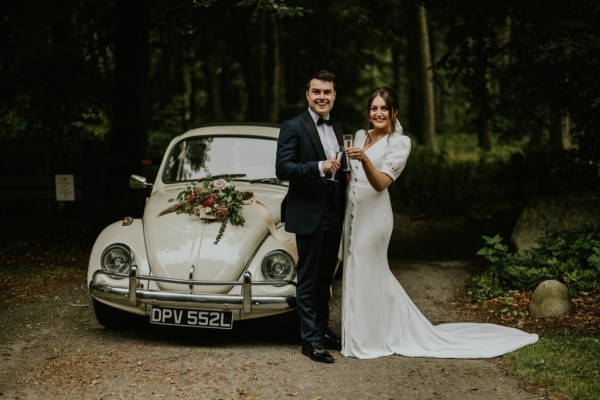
x=446, y=183
x=462, y=179
x=571, y=256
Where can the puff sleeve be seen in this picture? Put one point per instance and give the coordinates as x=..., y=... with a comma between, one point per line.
x=398, y=149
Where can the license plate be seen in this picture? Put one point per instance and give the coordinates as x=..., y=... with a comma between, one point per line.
x=191, y=317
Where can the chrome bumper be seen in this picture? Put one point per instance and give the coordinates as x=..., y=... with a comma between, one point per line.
x=135, y=294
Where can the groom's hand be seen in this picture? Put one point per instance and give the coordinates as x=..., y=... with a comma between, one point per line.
x=331, y=166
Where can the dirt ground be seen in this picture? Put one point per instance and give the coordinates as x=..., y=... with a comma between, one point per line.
x=51, y=347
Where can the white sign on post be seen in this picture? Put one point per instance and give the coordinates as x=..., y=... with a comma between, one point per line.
x=65, y=187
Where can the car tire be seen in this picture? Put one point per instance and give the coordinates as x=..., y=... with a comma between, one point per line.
x=114, y=319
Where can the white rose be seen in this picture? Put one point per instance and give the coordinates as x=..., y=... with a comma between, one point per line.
x=220, y=184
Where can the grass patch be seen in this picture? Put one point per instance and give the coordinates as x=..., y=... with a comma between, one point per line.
x=566, y=365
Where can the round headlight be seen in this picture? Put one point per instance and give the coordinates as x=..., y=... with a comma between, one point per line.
x=278, y=266
x=117, y=258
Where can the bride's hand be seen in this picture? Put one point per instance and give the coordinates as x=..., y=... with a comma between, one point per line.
x=356, y=153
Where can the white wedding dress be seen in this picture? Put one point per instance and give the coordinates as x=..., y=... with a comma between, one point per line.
x=378, y=317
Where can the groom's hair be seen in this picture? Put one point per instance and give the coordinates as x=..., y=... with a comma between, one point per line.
x=322, y=75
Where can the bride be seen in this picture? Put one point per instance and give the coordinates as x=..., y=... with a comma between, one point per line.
x=378, y=317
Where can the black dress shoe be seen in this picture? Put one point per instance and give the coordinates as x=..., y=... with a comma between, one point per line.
x=330, y=340
x=316, y=352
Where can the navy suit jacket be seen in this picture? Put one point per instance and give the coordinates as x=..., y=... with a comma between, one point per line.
x=299, y=151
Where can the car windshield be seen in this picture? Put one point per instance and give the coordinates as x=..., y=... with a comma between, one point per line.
x=250, y=157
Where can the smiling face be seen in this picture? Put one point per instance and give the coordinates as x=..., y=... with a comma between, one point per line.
x=320, y=96
x=379, y=115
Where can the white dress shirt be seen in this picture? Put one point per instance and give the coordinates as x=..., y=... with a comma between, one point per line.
x=327, y=136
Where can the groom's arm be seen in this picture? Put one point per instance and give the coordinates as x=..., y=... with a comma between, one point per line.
x=288, y=165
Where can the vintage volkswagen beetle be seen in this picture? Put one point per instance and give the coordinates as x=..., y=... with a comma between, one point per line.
x=167, y=266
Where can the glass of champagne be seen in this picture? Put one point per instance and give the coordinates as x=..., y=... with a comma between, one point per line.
x=347, y=144
x=335, y=154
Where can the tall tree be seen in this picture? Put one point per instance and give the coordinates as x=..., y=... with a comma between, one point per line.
x=128, y=136
x=425, y=77
x=277, y=71
x=481, y=95
x=472, y=51
x=556, y=52
x=560, y=131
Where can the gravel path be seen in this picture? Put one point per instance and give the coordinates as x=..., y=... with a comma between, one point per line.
x=51, y=347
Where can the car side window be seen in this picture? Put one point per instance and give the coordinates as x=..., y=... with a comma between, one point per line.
x=186, y=159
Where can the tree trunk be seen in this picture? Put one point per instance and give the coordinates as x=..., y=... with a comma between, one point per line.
x=129, y=131
x=413, y=123
x=276, y=94
x=484, y=136
x=426, y=81
x=212, y=71
x=560, y=132
x=482, y=97
x=261, y=65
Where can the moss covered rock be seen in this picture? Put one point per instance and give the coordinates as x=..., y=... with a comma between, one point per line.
x=550, y=299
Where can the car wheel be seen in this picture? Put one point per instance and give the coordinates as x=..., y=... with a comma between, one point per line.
x=115, y=319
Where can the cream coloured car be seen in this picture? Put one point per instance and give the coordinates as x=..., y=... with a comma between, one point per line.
x=210, y=248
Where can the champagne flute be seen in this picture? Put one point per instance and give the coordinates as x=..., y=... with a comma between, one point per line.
x=347, y=144
x=335, y=154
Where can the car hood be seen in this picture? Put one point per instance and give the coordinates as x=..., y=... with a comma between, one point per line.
x=179, y=244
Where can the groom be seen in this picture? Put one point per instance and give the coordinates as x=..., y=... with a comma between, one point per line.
x=314, y=209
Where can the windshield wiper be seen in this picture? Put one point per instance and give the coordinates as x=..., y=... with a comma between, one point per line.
x=222, y=176
x=272, y=181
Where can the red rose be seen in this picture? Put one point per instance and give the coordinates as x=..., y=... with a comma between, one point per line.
x=209, y=201
x=193, y=196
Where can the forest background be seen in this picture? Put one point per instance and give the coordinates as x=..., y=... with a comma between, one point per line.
x=500, y=97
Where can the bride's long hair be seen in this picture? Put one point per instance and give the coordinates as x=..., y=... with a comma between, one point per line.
x=391, y=100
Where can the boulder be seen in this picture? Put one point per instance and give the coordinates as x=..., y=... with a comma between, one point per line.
x=550, y=299
x=563, y=210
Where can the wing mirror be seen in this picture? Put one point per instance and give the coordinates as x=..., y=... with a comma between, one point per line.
x=138, y=182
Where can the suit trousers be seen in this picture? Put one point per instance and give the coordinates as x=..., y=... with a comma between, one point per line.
x=317, y=258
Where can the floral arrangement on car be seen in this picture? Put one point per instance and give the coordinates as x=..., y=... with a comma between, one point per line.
x=212, y=200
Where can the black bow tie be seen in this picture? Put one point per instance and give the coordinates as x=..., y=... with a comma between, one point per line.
x=322, y=121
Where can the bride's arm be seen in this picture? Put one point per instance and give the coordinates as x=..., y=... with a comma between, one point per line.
x=378, y=180
x=395, y=160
